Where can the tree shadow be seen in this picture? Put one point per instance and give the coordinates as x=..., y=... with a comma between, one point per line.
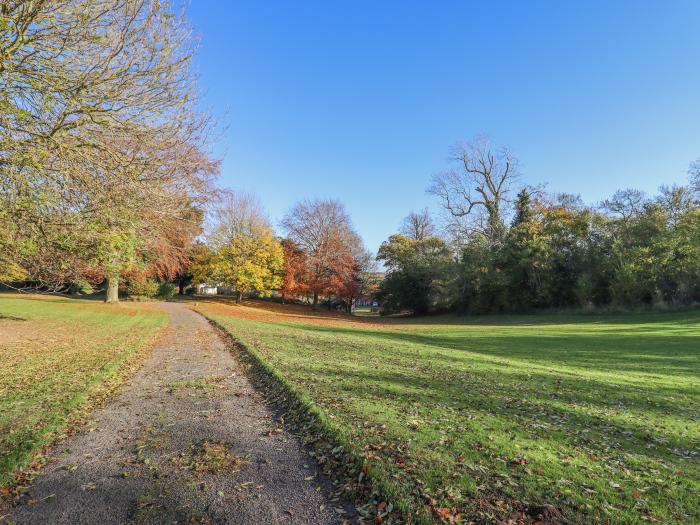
x=638, y=349
x=572, y=417
x=11, y=317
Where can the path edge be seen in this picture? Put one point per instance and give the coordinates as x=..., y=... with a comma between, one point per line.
x=347, y=471
x=23, y=477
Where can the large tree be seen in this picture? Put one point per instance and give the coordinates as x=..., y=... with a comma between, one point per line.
x=417, y=276
x=323, y=231
x=102, y=148
x=476, y=192
x=294, y=278
x=418, y=225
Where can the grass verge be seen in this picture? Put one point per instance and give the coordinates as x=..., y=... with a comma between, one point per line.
x=557, y=418
x=58, y=358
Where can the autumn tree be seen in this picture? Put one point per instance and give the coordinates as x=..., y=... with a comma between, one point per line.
x=103, y=149
x=294, y=278
x=323, y=231
x=360, y=280
x=246, y=255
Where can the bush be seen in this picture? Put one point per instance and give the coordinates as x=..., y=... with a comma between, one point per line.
x=166, y=290
x=80, y=287
x=145, y=288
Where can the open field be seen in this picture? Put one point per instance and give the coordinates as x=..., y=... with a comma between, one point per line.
x=576, y=418
x=55, y=355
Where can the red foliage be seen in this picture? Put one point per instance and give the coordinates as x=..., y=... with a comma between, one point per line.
x=295, y=279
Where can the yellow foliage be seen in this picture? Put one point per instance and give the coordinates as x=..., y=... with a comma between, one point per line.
x=249, y=263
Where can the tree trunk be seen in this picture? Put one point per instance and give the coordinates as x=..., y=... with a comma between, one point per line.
x=239, y=298
x=330, y=302
x=315, y=303
x=112, y=288
x=181, y=287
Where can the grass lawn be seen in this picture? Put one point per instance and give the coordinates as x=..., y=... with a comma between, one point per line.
x=55, y=355
x=576, y=418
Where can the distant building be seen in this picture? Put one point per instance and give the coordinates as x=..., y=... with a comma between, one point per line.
x=207, y=289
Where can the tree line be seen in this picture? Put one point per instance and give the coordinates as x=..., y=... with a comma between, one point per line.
x=321, y=257
x=511, y=247
x=106, y=177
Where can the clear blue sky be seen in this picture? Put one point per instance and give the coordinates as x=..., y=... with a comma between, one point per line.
x=361, y=100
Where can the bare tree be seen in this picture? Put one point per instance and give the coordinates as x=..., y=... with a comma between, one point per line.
x=694, y=174
x=476, y=192
x=625, y=203
x=236, y=214
x=418, y=225
x=676, y=201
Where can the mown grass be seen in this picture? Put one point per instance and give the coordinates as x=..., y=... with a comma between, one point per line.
x=56, y=355
x=573, y=418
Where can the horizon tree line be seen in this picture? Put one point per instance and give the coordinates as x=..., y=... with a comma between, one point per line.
x=106, y=177
x=509, y=247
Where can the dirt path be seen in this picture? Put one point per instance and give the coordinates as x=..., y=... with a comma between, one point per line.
x=188, y=440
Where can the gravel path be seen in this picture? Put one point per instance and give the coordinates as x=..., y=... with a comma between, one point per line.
x=188, y=440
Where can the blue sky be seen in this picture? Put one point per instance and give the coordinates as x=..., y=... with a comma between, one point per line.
x=361, y=100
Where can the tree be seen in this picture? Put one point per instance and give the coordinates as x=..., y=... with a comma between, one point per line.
x=694, y=175
x=418, y=225
x=294, y=279
x=246, y=256
x=102, y=145
x=249, y=264
x=625, y=203
x=197, y=257
x=478, y=190
x=523, y=211
x=523, y=257
x=236, y=214
x=323, y=231
x=363, y=279
x=417, y=274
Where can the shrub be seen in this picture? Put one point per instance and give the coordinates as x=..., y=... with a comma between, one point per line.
x=145, y=288
x=81, y=287
x=166, y=290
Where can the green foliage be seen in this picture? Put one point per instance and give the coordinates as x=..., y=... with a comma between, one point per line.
x=81, y=287
x=417, y=271
x=143, y=288
x=597, y=416
x=167, y=290
x=562, y=254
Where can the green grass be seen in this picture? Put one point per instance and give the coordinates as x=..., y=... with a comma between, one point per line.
x=57, y=355
x=597, y=416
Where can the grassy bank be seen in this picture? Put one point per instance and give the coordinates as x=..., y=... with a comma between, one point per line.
x=57, y=355
x=576, y=418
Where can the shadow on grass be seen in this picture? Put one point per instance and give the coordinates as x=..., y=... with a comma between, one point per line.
x=11, y=317
x=571, y=417
x=639, y=349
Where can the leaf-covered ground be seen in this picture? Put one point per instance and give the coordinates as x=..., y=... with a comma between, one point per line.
x=576, y=418
x=57, y=354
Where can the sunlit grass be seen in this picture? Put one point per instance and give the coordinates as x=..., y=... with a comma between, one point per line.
x=55, y=355
x=598, y=416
